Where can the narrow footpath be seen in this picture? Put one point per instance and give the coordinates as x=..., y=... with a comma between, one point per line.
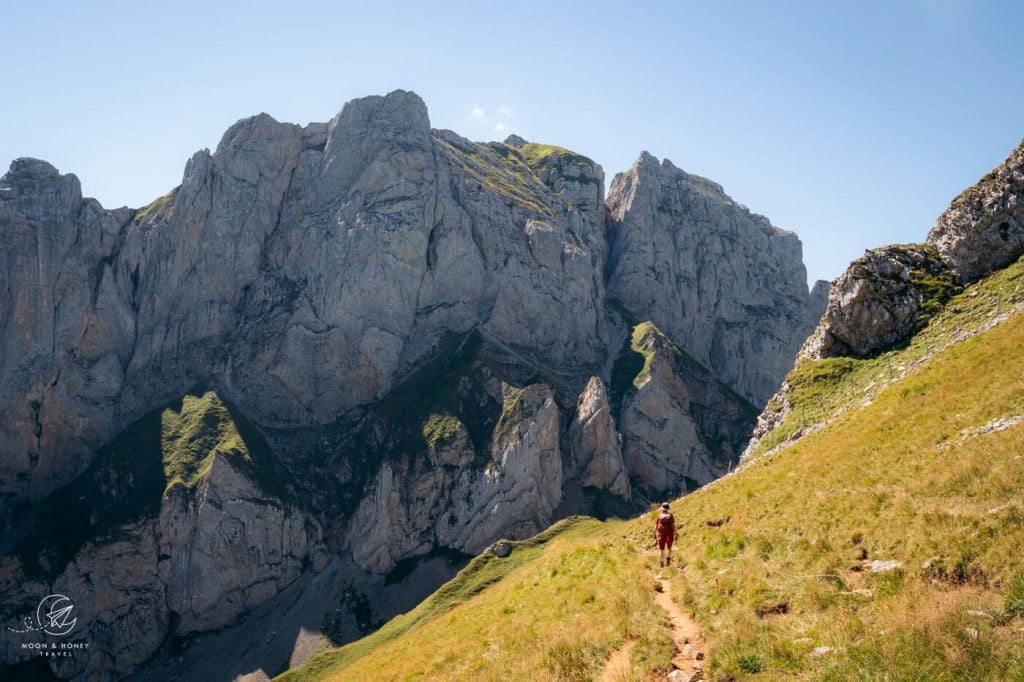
x=691, y=650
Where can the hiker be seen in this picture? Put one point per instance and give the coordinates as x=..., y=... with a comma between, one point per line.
x=665, y=535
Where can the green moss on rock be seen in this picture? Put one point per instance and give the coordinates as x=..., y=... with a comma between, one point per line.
x=191, y=436
x=156, y=206
x=439, y=427
x=537, y=154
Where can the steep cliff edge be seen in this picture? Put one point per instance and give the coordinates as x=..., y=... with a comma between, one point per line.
x=720, y=281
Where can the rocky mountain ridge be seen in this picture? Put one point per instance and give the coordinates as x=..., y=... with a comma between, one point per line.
x=892, y=292
x=434, y=342
x=889, y=293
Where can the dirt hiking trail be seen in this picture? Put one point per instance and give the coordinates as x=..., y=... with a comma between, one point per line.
x=691, y=649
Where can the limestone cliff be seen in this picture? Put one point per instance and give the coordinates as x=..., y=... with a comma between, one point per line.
x=720, y=281
x=420, y=342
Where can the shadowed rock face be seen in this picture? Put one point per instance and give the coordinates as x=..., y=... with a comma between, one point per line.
x=169, y=533
x=414, y=327
x=595, y=451
x=721, y=282
x=680, y=427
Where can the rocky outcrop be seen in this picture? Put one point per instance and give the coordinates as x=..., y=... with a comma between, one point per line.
x=883, y=297
x=454, y=500
x=207, y=551
x=720, y=281
x=983, y=228
x=594, y=448
x=680, y=428
x=889, y=293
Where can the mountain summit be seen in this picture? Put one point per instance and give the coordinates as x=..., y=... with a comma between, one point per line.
x=421, y=342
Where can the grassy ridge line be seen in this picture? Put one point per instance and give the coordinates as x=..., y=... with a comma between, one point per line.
x=909, y=476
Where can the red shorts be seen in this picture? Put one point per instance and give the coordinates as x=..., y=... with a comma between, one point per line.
x=665, y=541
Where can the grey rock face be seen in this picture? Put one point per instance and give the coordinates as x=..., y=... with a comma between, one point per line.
x=203, y=557
x=230, y=549
x=881, y=299
x=309, y=275
x=594, y=451
x=302, y=271
x=721, y=282
x=680, y=428
x=819, y=298
x=62, y=322
x=453, y=501
x=983, y=228
x=205, y=564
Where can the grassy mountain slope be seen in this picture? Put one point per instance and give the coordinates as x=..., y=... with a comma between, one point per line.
x=919, y=468
x=551, y=610
x=918, y=471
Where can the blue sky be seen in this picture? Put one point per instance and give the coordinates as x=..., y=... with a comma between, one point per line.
x=852, y=123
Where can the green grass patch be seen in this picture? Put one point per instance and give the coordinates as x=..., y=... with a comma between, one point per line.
x=171, y=446
x=537, y=154
x=503, y=173
x=1013, y=601
x=439, y=427
x=155, y=207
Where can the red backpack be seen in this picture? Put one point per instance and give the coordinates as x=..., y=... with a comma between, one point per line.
x=666, y=525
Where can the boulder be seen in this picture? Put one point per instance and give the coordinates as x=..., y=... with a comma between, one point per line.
x=983, y=228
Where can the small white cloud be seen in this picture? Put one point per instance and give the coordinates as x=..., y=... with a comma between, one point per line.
x=504, y=111
x=478, y=112
x=500, y=127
